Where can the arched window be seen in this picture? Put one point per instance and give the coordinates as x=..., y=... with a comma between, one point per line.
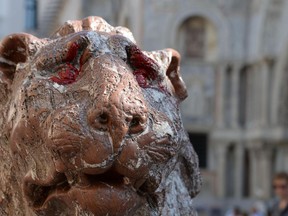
x=197, y=39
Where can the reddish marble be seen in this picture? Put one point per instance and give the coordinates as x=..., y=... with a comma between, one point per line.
x=90, y=125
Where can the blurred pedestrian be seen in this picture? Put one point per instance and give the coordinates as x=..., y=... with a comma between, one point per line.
x=256, y=212
x=236, y=211
x=280, y=186
x=258, y=209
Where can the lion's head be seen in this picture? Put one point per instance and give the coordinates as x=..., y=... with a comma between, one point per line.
x=90, y=124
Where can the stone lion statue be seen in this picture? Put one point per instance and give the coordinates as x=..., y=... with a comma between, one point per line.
x=90, y=125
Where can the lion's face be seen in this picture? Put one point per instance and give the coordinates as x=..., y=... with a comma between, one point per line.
x=93, y=121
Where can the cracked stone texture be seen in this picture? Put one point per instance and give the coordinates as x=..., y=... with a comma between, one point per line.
x=90, y=125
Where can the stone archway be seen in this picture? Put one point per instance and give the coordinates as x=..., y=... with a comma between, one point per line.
x=212, y=14
x=197, y=39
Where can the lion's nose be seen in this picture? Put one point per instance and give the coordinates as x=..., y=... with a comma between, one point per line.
x=117, y=122
x=113, y=121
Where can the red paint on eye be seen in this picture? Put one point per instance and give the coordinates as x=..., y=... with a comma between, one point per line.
x=66, y=75
x=140, y=76
x=72, y=52
x=145, y=69
x=138, y=60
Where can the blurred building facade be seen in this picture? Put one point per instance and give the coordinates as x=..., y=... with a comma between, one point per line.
x=234, y=62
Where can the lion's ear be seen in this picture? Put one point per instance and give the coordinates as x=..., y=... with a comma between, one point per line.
x=170, y=61
x=14, y=49
x=173, y=73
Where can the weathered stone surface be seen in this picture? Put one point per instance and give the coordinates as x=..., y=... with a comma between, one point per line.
x=90, y=125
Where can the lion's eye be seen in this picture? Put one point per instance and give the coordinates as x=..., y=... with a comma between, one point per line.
x=67, y=74
x=145, y=68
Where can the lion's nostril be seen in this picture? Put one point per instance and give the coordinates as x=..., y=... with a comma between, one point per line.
x=137, y=124
x=103, y=118
x=99, y=119
x=135, y=121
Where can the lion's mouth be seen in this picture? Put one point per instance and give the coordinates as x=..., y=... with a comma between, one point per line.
x=39, y=193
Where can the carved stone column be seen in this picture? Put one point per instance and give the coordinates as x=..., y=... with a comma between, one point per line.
x=221, y=150
x=235, y=96
x=239, y=170
x=261, y=169
x=264, y=88
x=281, y=162
x=219, y=101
